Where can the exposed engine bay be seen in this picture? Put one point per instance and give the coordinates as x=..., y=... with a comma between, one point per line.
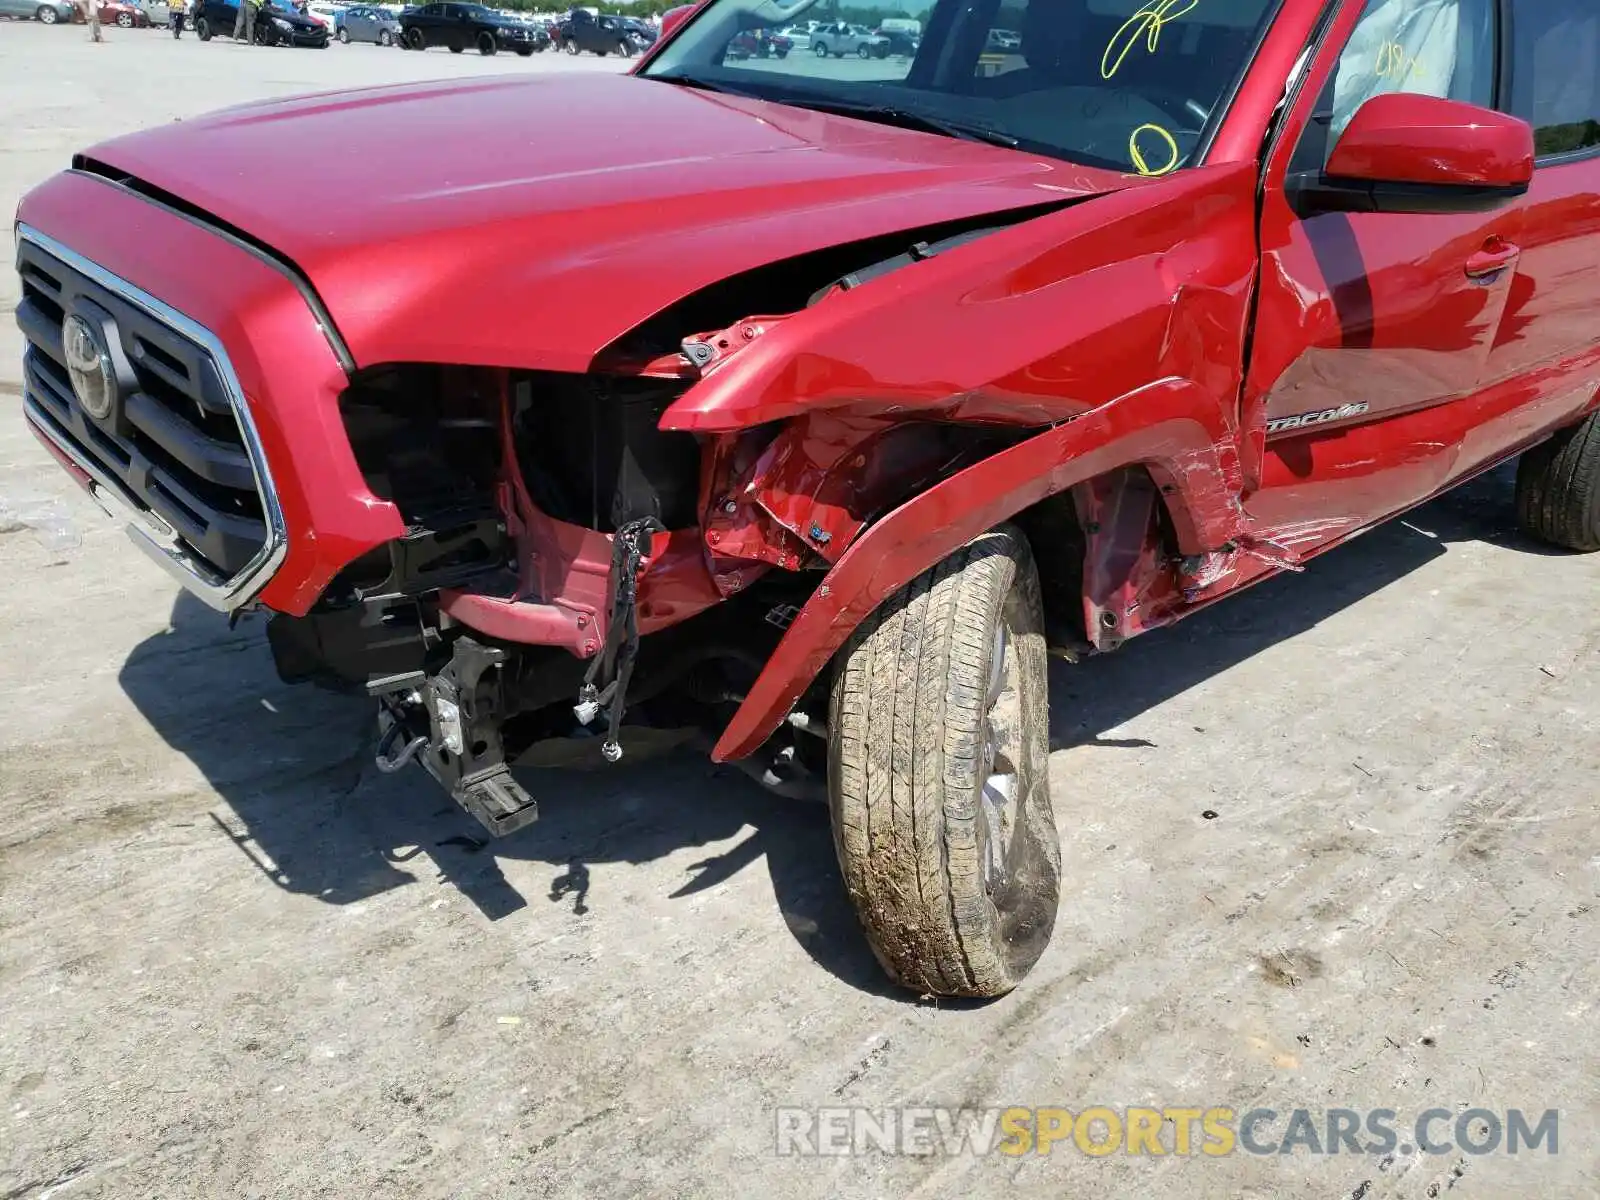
x=551, y=524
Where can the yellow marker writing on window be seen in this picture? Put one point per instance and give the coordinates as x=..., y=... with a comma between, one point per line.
x=1147, y=23
x=1136, y=154
x=1395, y=63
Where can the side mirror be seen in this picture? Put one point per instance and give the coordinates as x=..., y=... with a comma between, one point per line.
x=672, y=18
x=1404, y=153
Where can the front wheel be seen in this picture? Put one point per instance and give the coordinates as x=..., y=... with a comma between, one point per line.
x=487, y=44
x=570, y=47
x=202, y=29
x=384, y=39
x=864, y=51
x=414, y=40
x=1558, y=488
x=524, y=51
x=47, y=15
x=938, y=774
x=456, y=49
x=624, y=49
x=125, y=20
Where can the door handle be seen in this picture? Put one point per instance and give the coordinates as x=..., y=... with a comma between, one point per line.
x=1497, y=254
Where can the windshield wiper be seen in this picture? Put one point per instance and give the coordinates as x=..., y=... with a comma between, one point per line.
x=700, y=82
x=905, y=118
x=884, y=114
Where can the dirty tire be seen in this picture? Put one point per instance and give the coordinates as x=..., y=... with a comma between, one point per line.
x=908, y=723
x=1558, y=488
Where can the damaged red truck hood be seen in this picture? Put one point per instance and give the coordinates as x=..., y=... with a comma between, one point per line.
x=528, y=222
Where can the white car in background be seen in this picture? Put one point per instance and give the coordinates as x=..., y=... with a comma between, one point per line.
x=325, y=14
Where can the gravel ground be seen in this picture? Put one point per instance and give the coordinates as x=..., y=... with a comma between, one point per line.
x=235, y=961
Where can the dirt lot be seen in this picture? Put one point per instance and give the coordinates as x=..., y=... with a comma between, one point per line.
x=235, y=961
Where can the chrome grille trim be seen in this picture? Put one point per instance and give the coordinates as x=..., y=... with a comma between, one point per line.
x=149, y=530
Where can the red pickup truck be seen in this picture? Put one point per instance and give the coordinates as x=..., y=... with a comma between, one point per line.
x=812, y=405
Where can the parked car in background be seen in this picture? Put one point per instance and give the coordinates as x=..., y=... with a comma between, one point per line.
x=368, y=23
x=582, y=30
x=158, y=12
x=760, y=43
x=900, y=41
x=645, y=32
x=50, y=12
x=458, y=26
x=840, y=41
x=325, y=14
x=123, y=14
x=277, y=24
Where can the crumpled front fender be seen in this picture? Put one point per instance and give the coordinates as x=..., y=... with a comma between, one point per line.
x=1173, y=426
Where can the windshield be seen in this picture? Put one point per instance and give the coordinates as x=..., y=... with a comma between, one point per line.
x=1125, y=84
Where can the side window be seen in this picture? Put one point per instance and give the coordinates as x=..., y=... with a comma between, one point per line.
x=1443, y=48
x=1555, y=72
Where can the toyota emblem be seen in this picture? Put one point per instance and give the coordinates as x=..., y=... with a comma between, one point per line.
x=94, y=382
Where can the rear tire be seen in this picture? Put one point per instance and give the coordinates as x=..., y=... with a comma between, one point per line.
x=455, y=49
x=344, y=36
x=938, y=774
x=202, y=29
x=1558, y=488
x=46, y=15
x=570, y=47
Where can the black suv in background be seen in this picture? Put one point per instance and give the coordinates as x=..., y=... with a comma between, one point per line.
x=580, y=29
x=277, y=24
x=459, y=26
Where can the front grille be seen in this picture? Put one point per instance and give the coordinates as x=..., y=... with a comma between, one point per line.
x=178, y=450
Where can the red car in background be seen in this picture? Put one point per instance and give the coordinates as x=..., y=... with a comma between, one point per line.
x=811, y=407
x=121, y=13
x=760, y=43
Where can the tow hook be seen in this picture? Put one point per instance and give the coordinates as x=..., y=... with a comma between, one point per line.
x=451, y=725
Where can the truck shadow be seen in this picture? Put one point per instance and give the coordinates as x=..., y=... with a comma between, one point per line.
x=305, y=807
